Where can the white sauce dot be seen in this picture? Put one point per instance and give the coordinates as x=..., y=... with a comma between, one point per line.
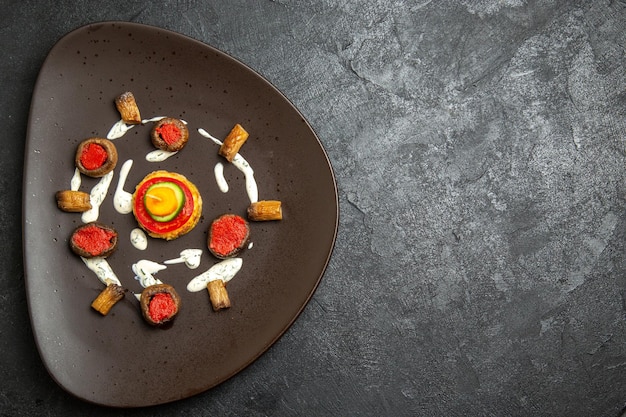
x=138, y=239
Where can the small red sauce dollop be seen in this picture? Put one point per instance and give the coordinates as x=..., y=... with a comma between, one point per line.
x=93, y=156
x=228, y=233
x=161, y=307
x=93, y=239
x=169, y=133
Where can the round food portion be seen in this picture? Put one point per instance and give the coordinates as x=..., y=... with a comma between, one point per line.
x=93, y=239
x=159, y=304
x=169, y=134
x=228, y=235
x=164, y=200
x=166, y=205
x=96, y=157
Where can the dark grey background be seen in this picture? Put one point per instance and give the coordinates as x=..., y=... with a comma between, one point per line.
x=479, y=148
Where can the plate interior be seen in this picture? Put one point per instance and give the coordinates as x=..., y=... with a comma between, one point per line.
x=119, y=360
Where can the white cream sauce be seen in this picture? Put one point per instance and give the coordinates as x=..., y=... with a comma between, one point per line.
x=191, y=258
x=118, y=130
x=102, y=269
x=154, y=119
x=97, y=196
x=251, y=187
x=123, y=200
x=224, y=270
x=242, y=165
x=157, y=118
x=75, y=181
x=159, y=155
x=138, y=239
x=209, y=136
x=145, y=270
x=219, y=177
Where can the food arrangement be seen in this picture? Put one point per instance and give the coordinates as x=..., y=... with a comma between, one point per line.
x=166, y=205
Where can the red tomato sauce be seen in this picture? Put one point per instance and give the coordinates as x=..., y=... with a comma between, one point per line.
x=93, y=239
x=161, y=307
x=227, y=234
x=169, y=133
x=93, y=156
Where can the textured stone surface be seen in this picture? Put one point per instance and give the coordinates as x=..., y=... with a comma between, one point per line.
x=479, y=149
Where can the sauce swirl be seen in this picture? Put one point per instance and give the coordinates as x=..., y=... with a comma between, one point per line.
x=97, y=196
x=191, y=258
x=224, y=270
x=118, y=130
x=102, y=269
x=123, y=200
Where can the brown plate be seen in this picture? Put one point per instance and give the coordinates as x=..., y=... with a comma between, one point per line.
x=119, y=360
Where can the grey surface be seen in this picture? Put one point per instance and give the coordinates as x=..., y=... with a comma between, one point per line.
x=479, y=149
